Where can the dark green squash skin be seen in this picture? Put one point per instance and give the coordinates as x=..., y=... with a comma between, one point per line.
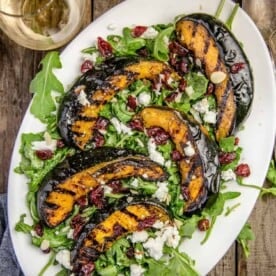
x=208, y=152
x=92, y=80
x=80, y=255
x=232, y=53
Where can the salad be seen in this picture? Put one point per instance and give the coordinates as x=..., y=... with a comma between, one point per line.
x=136, y=156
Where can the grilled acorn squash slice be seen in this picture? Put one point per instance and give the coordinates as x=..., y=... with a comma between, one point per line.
x=199, y=163
x=235, y=60
x=196, y=37
x=63, y=187
x=99, y=235
x=80, y=108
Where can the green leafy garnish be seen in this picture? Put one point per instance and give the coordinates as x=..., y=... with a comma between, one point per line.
x=160, y=47
x=199, y=83
x=271, y=174
x=244, y=237
x=43, y=85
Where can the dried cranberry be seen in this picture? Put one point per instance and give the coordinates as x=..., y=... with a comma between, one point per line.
x=96, y=197
x=87, y=269
x=77, y=223
x=159, y=135
x=237, y=140
x=182, y=85
x=104, y=47
x=210, y=88
x=102, y=123
x=82, y=202
x=171, y=97
x=86, y=66
x=242, y=170
x=146, y=223
x=185, y=192
x=176, y=155
x=130, y=252
x=183, y=65
x=118, y=230
x=131, y=102
x=236, y=67
x=98, y=139
x=203, y=224
x=172, y=59
x=39, y=229
x=143, y=52
x=227, y=157
x=136, y=124
x=117, y=186
x=138, y=30
x=44, y=154
x=177, y=48
x=60, y=144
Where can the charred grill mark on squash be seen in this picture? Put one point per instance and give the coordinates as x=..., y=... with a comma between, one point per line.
x=99, y=236
x=193, y=167
x=196, y=37
x=76, y=120
x=57, y=199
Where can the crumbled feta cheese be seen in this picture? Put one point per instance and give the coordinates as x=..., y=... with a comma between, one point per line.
x=82, y=98
x=154, y=154
x=158, y=224
x=63, y=257
x=198, y=62
x=162, y=192
x=166, y=40
x=210, y=117
x=171, y=236
x=196, y=115
x=178, y=98
x=139, y=236
x=136, y=270
x=189, y=90
x=107, y=189
x=45, y=244
x=168, y=164
x=201, y=106
x=150, y=33
x=129, y=199
x=188, y=149
x=144, y=98
x=43, y=145
x=70, y=234
x=154, y=247
x=120, y=127
x=228, y=175
x=134, y=183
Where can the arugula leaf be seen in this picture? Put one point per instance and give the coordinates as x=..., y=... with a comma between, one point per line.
x=126, y=44
x=227, y=144
x=21, y=226
x=180, y=264
x=44, y=83
x=199, y=84
x=244, y=237
x=189, y=226
x=271, y=174
x=160, y=47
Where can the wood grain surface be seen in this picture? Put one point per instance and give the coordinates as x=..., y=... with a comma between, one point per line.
x=18, y=67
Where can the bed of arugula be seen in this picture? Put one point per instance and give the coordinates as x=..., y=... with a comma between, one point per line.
x=35, y=169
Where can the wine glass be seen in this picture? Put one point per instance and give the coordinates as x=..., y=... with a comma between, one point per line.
x=41, y=24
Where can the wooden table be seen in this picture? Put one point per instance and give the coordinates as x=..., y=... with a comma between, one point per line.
x=18, y=67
